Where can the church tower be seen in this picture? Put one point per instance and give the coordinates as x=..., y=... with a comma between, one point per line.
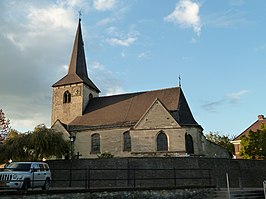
x=72, y=93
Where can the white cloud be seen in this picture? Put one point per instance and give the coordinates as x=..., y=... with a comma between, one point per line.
x=105, y=79
x=65, y=67
x=230, y=99
x=114, y=91
x=122, y=42
x=37, y=38
x=261, y=47
x=54, y=17
x=103, y=5
x=97, y=65
x=237, y=2
x=193, y=40
x=118, y=38
x=123, y=54
x=105, y=21
x=235, y=97
x=186, y=14
x=37, y=23
x=230, y=18
x=143, y=55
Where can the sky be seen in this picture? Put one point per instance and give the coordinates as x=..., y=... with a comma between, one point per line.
x=218, y=48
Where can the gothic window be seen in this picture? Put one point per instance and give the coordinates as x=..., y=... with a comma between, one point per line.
x=95, y=143
x=189, y=144
x=90, y=96
x=162, y=143
x=67, y=97
x=127, y=141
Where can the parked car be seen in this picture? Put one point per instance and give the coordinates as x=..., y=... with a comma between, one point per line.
x=24, y=175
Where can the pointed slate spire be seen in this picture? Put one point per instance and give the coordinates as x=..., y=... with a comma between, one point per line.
x=77, y=69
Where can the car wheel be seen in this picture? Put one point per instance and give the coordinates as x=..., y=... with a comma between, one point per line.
x=25, y=185
x=46, y=185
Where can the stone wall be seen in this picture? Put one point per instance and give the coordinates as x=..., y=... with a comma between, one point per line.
x=246, y=173
x=210, y=149
x=187, y=193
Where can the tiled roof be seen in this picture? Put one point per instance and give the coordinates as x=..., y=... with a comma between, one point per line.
x=77, y=69
x=127, y=109
x=254, y=127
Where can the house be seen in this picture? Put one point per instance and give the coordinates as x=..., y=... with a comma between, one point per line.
x=253, y=127
x=150, y=123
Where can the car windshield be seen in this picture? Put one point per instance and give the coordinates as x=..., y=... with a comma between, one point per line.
x=18, y=166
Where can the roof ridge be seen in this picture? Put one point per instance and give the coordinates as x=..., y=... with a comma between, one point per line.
x=134, y=93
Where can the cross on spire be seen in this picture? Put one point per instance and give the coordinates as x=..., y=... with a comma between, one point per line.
x=179, y=81
x=80, y=14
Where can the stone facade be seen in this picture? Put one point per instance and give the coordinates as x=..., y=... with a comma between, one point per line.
x=66, y=112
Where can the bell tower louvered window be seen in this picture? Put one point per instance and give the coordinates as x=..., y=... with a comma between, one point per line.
x=66, y=97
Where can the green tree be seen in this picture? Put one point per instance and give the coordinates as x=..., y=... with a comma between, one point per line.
x=47, y=142
x=15, y=146
x=32, y=146
x=221, y=140
x=253, y=146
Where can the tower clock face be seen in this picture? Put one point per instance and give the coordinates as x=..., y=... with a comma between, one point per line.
x=76, y=91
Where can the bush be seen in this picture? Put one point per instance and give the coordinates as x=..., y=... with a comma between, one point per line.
x=105, y=155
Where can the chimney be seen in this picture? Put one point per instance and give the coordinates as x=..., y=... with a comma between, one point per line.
x=260, y=117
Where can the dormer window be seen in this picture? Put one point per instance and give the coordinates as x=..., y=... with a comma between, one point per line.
x=67, y=97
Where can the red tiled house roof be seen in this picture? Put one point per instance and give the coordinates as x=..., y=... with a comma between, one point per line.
x=254, y=127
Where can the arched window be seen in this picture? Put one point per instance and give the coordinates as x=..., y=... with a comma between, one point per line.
x=189, y=144
x=67, y=97
x=127, y=141
x=162, y=143
x=95, y=143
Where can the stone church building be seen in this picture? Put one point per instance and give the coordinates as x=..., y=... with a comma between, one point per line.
x=154, y=123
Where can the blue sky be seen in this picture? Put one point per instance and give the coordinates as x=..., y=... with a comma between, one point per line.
x=217, y=47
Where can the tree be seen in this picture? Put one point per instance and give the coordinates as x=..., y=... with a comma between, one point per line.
x=4, y=126
x=47, y=142
x=33, y=146
x=221, y=140
x=253, y=146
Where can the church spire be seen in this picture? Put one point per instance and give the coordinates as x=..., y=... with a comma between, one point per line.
x=77, y=63
x=77, y=69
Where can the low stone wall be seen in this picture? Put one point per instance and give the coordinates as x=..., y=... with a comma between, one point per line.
x=242, y=173
x=186, y=193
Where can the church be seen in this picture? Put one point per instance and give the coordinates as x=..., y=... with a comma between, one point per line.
x=156, y=123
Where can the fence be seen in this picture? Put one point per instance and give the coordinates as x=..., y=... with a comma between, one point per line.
x=130, y=178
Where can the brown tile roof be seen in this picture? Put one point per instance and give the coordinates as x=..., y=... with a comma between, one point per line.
x=77, y=69
x=254, y=127
x=127, y=109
